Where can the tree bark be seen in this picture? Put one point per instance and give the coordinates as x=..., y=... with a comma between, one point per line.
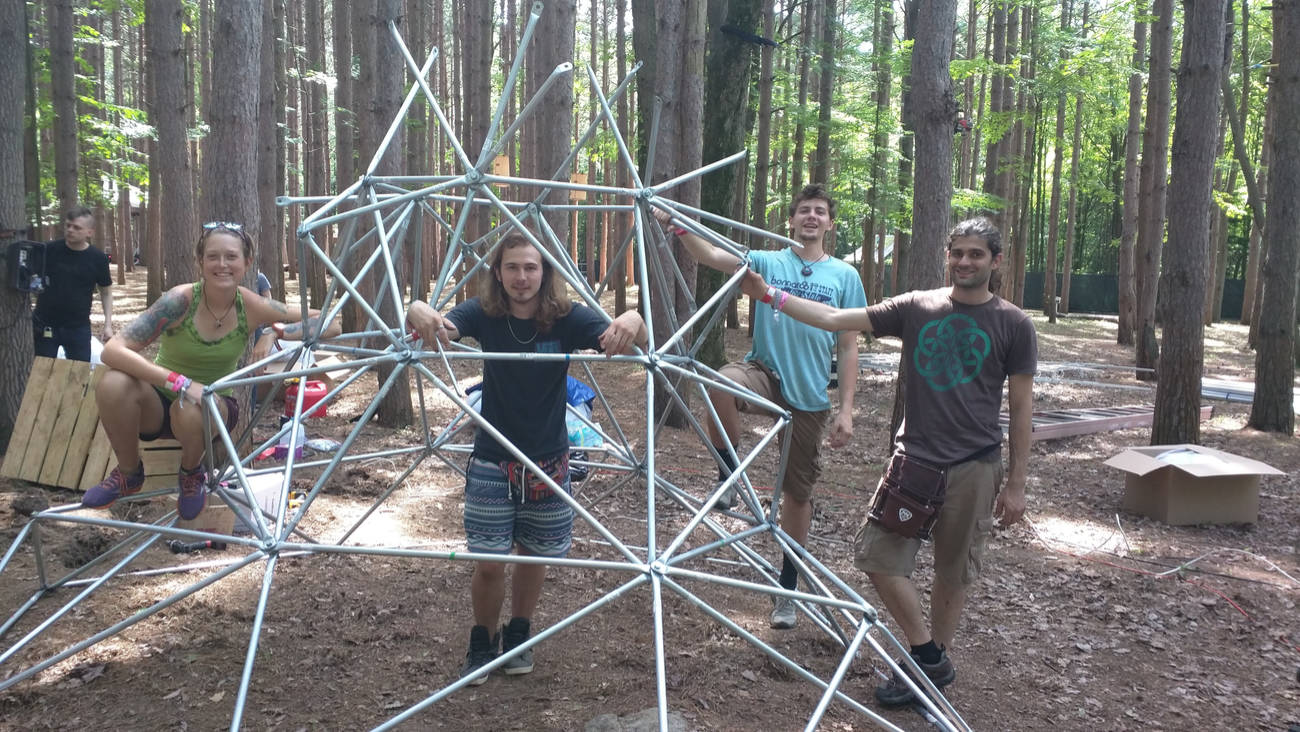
x=624, y=225
x=1129, y=230
x=173, y=189
x=1178, y=393
x=63, y=94
x=877, y=204
x=31, y=147
x=15, y=327
x=1254, y=254
x=1272, y=408
x=1152, y=190
x=268, y=144
x=395, y=408
x=726, y=100
x=317, y=122
x=820, y=169
x=1054, y=207
x=797, y=156
x=1076, y=152
x=230, y=172
x=933, y=112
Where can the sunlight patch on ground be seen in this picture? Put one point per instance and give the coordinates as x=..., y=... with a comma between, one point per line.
x=1082, y=536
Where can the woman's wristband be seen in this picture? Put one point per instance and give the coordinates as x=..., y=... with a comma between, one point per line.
x=766, y=299
x=680, y=231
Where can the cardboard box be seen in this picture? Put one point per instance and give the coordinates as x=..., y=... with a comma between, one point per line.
x=215, y=518
x=1191, y=484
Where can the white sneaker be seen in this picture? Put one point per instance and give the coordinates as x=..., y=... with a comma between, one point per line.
x=784, y=614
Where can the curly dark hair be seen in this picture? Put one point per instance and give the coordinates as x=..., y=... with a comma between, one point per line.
x=553, y=299
x=982, y=228
x=810, y=192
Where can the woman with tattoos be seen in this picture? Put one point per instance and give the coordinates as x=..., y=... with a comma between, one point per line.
x=202, y=329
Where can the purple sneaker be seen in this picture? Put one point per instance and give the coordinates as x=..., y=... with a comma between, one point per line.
x=193, y=492
x=116, y=485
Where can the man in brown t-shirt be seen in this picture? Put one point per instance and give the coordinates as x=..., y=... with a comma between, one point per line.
x=960, y=343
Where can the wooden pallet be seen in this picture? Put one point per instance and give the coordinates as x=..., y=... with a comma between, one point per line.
x=58, y=439
x=1057, y=423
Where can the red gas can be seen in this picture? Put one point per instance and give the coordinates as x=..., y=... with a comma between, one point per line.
x=311, y=397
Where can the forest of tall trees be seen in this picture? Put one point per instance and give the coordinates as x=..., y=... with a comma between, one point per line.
x=1056, y=118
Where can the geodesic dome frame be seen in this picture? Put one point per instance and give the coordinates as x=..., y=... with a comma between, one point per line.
x=385, y=208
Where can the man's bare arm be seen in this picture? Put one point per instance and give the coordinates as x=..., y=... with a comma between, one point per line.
x=703, y=251
x=816, y=314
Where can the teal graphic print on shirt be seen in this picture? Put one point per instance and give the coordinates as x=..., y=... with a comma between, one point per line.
x=951, y=351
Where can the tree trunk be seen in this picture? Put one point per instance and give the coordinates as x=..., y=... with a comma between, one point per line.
x=389, y=74
x=1054, y=207
x=1272, y=408
x=726, y=100
x=15, y=327
x=173, y=189
x=678, y=60
x=933, y=112
x=1152, y=190
x=1178, y=393
x=31, y=147
x=624, y=225
x=820, y=169
x=965, y=155
x=317, y=121
x=344, y=107
x=123, y=212
x=1250, y=297
x=63, y=94
x=763, y=138
x=878, y=205
x=1128, y=235
x=268, y=144
x=230, y=172
x=1075, y=153
x=797, y=156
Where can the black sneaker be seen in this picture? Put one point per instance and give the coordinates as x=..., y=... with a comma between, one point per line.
x=512, y=635
x=896, y=692
x=482, y=651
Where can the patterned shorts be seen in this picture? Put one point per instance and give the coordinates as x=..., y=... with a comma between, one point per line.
x=505, y=505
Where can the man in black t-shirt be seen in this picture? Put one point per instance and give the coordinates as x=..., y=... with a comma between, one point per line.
x=522, y=310
x=73, y=269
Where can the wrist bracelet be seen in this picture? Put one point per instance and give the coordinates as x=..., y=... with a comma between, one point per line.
x=766, y=299
x=780, y=303
x=680, y=231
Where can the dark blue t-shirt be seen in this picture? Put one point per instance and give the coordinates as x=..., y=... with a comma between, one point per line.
x=525, y=399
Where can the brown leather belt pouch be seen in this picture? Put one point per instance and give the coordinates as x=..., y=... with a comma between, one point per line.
x=908, y=499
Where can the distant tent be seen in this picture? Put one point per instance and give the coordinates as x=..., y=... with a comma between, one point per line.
x=855, y=257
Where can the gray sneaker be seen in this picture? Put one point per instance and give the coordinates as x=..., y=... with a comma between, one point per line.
x=784, y=614
x=512, y=635
x=727, y=500
x=895, y=692
x=482, y=651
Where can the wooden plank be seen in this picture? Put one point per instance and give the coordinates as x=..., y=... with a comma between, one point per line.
x=74, y=463
x=1051, y=425
x=39, y=440
x=161, y=457
x=31, y=404
x=74, y=392
x=98, y=461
